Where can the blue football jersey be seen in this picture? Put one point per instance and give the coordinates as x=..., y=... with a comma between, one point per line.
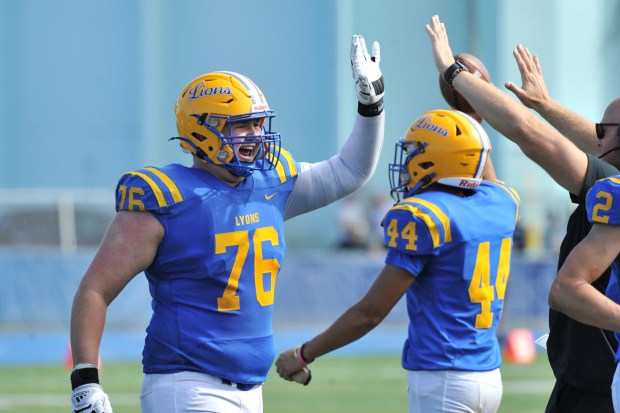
x=458, y=249
x=212, y=282
x=603, y=207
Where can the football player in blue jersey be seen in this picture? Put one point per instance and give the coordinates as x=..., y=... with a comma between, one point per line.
x=210, y=240
x=449, y=242
x=572, y=291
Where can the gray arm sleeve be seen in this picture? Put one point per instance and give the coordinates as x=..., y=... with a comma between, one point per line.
x=322, y=183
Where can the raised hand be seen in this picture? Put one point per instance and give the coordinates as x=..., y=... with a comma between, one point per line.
x=442, y=53
x=533, y=89
x=366, y=72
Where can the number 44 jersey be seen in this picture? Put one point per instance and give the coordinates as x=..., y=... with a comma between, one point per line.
x=212, y=282
x=458, y=249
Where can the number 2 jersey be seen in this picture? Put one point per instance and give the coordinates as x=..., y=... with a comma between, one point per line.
x=458, y=249
x=603, y=207
x=212, y=282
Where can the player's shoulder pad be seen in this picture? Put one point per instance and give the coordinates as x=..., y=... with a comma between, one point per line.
x=603, y=201
x=416, y=226
x=511, y=192
x=146, y=189
x=284, y=164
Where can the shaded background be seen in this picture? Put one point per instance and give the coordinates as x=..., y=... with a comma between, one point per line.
x=88, y=89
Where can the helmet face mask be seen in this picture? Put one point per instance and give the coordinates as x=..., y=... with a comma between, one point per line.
x=207, y=112
x=441, y=146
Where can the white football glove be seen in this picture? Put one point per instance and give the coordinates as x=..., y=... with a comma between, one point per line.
x=90, y=398
x=366, y=71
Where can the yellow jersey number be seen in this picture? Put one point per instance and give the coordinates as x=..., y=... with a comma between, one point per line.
x=480, y=289
x=229, y=300
x=599, y=213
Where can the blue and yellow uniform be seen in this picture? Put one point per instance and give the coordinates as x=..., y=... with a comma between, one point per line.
x=213, y=280
x=459, y=254
x=603, y=207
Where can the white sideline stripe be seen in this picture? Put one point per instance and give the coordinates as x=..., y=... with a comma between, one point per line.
x=132, y=399
x=55, y=399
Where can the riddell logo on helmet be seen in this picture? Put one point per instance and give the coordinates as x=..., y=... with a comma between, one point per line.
x=257, y=108
x=199, y=91
x=464, y=183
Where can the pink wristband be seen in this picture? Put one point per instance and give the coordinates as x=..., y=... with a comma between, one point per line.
x=297, y=352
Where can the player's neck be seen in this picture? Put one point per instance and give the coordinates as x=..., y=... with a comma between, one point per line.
x=451, y=190
x=222, y=173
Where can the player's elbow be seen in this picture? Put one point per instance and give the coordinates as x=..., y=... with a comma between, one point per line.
x=559, y=295
x=369, y=317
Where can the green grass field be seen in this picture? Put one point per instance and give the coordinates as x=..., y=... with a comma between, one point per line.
x=340, y=384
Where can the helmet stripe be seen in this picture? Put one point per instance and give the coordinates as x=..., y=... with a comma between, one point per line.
x=485, y=143
x=257, y=96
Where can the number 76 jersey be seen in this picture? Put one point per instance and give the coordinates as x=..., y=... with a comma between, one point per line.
x=213, y=279
x=458, y=249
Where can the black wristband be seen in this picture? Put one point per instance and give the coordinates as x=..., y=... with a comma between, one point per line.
x=84, y=376
x=301, y=354
x=369, y=111
x=454, y=69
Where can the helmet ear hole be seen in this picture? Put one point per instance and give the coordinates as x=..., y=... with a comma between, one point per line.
x=199, y=137
x=426, y=165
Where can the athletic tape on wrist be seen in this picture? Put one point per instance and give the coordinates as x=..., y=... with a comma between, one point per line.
x=84, y=375
x=368, y=111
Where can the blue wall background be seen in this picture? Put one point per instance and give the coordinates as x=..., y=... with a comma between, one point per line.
x=313, y=289
x=88, y=89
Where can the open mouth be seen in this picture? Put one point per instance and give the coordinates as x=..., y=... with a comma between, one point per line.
x=247, y=152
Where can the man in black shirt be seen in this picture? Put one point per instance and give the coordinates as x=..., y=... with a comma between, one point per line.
x=580, y=356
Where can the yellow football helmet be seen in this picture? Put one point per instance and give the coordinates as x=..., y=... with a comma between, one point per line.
x=444, y=146
x=205, y=111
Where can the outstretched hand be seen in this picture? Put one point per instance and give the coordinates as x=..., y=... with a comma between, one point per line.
x=366, y=72
x=442, y=53
x=533, y=90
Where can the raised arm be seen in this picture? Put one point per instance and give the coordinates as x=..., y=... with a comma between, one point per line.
x=324, y=182
x=534, y=94
x=556, y=154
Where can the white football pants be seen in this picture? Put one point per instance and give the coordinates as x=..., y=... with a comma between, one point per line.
x=453, y=391
x=196, y=392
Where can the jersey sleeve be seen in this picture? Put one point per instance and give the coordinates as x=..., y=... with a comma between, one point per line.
x=416, y=227
x=146, y=189
x=603, y=201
